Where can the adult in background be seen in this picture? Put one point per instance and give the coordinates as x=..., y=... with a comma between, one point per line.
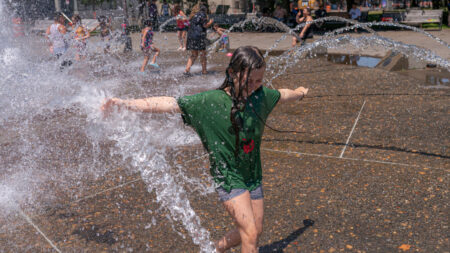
x=196, y=37
x=153, y=13
x=321, y=12
x=306, y=30
x=354, y=12
x=280, y=13
x=294, y=10
x=165, y=9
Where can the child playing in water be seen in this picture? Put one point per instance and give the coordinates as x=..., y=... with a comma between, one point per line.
x=182, y=26
x=80, y=36
x=104, y=24
x=147, y=46
x=224, y=43
x=230, y=122
x=56, y=36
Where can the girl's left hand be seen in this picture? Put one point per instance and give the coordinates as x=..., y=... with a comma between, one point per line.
x=302, y=91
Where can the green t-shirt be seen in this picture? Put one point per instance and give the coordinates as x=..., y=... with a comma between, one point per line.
x=209, y=114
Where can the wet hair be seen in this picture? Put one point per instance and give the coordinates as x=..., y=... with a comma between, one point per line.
x=147, y=23
x=244, y=60
x=176, y=9
x=200, y=7
x=76, y=19
x=58, y=15
x=203, y=8
x=102, y=19
x=308, y=10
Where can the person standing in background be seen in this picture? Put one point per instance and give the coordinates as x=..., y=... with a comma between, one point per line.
x=354, y=12
x=153, y=14
x=196, y=38
x=280, y=13
x=165, y=9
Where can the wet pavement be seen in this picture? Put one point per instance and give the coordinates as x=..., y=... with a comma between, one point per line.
x=367, y=172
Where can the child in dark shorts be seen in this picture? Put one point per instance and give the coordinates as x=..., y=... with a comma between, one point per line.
x=147, y=46
x=230, y=123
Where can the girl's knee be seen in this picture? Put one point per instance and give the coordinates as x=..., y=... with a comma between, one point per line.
x=250, y=234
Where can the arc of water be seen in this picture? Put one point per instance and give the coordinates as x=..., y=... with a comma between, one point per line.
x=333, y=18
x=371, y=24
x=163, y=25
x=293, y=56
x=256, y=22
x=319, y=20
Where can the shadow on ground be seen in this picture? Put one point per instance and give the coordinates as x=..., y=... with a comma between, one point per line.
x=279, y=246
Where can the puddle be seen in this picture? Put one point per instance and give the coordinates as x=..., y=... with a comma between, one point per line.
x=356, y=60
x=434, y=81
x=430, y=78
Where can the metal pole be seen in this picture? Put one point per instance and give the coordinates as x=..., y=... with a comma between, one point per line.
x=125, y=31
x=58, y=5
x=125, y=9
x=75, y=7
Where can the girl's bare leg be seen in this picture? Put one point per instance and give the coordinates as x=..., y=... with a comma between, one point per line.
x=184, y=35
x=248, y=215
x=146, y=58
x=155, y=55
x=180, y=38
x=294, y=41
x=203, y=61
x=191, y=61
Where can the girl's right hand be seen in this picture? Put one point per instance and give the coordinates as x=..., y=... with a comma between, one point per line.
x=108, y=105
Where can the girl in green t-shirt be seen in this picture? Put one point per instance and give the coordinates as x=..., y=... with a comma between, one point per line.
x=230, y=123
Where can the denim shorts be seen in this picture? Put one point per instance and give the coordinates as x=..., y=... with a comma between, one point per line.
x=225, y=196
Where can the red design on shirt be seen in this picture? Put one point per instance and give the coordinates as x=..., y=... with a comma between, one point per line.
x=248, y=145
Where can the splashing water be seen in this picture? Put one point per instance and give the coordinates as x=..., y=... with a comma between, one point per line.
x=386, y=24
x=55, y=137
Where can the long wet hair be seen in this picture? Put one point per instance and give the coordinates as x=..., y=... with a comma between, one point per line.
x=176, y=9
x=244, y=60
x=199, y=7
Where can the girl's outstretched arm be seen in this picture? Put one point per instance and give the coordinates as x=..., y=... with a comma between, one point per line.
x=151, y=104
x=288, y=95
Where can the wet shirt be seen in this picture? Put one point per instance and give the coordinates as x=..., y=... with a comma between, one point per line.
x=56, y=37
x=148, y=39
x=196, y=28
x=354, y=13
x=165, y=9
x=209, y=114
